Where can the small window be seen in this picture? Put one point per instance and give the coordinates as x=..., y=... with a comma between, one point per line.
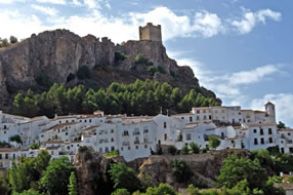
x=165, y=125
x=198, y=111
x=262, y=141
x=210, y=117
x=261, y=131
x=90, y=120
x=255, y=141
x=136, y=147
x=254, y=131
x=270, y=131
x=165, y=136
x=271, y=140
x=190, y=119
x=188, y=136
x=145, y=146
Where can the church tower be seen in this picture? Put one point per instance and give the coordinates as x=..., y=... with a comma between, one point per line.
x=270, y=110
x=150, y=32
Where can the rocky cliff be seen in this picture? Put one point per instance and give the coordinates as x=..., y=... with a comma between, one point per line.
x=57, y=55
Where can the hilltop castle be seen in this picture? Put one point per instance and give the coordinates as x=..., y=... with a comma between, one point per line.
x=150, y=32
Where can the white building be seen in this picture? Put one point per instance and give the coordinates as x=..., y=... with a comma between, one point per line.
x=137, y=137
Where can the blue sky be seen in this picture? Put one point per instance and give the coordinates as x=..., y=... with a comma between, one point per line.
x=241, y=49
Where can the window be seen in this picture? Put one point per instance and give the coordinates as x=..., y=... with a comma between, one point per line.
x=112, y=131
x=165, y=136
x=5, y=127
x=66, y=133
x=6, y=156
x=261, y=131
x=188, y=136
x=0, y=156
x=129, y=148
x=204, y=117
x=145, y=146
x=282, y=150
x=262, y=141
x=255, y=141
x=112, y=139
x=198, y=111
x=197, y=118
x=121, y=149
x=90, y=120
x=112, y=148
x=136, y=147
x=289, y=134
x=165, y=125
x=210, y=117
x=270, y=131
x=190, y=119
x=291, y=150
x=145, y=131
x=125, y=133
x=222, y=135
x=270, y=140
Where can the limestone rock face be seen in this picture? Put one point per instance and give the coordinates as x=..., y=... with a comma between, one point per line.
x=92, y=171
x=205, y=167
x=60, y=53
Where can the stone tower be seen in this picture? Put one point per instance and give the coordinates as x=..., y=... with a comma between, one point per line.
x=150, y=32
x=270, y=110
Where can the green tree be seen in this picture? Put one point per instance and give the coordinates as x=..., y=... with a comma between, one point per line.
x=194, y=148
x=124, y=177
x=235, y=169
x=13, y=39
x=28, y=192
x=162, y=189
x=72, y=187
x=181, y=171
x=214, y=141
x=185, y=149
x=121, y=191
x=281, y=125
x=16, y=138
x=56, y=177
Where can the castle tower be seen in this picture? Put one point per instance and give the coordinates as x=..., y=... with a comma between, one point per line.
x=150, y=32
x=270, y=110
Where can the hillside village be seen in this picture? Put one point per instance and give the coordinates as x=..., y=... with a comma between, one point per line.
x=136, y=137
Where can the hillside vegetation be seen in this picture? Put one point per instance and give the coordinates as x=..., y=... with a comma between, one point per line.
x=139, y=98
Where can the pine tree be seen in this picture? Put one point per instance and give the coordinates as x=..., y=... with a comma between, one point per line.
x=72, y=188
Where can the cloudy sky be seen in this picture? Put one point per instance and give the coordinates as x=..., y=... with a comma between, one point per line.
x=241, y=49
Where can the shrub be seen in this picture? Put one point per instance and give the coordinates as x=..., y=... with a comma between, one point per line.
x=214, y=141
x=43, y=80
x=141, y=60
x=16, y=138
x=121, y=191
x=194, y=148
x=181, y=171
x=185, y=149
x=172, y=150
x=162, y=189
x=119, y=57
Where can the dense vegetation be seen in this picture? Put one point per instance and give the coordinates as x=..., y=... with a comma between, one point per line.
x=254, y=174
x=141, y=97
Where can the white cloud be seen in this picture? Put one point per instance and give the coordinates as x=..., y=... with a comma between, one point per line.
x=251, y=76
x=45, y=10
x=10, y=1
x=204, y=23
x=208, y=24
x=59, y=2
x=251, y=19
x=283, y=102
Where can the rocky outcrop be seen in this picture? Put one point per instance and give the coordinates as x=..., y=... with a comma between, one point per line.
x=57, y=54
x=205, y=167
x=92, y=172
